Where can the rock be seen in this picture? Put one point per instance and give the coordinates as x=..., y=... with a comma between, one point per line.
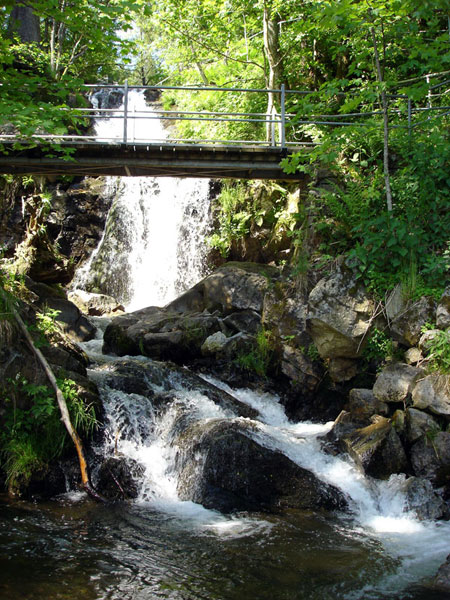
x=423, y=500
x=344, y=425
x=223, y=468
x=237, y=286
x=419, y=424
x=399, y=422
x=443, y=310
x=63, y=359
x=72, y=322
x=362, y=404
x=396, y=382
x=339, y=315
x=442, y=579
x=413, y=356
x=433, y=393
x=342, y=369
x=147, y=378
x=214, y=344
x=246, y=321
x=95, y=305
x=377, y=449
x=300, y=369
x=159, y=334
x=430, y=458
x=407, y=325
x=118, y=478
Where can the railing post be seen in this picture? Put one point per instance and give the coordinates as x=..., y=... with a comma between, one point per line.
x=125, y=111
x=283, y=116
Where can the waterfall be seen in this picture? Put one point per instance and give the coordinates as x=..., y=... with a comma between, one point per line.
x=153, y=247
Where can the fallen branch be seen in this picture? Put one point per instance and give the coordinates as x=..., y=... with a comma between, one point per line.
x=65, y=417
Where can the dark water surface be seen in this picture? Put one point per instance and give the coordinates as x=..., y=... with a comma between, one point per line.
x=83, y=551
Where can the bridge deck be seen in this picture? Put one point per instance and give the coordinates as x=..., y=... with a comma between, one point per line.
x=170, y=160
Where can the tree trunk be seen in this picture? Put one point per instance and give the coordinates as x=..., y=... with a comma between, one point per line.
x=272, y=52
x=24, y=24
x=387, y=179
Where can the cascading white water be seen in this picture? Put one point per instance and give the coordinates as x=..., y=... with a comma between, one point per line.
x=379, y=508
x=154, y=246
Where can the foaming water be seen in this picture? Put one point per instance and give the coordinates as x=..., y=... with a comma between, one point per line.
x=153, y=247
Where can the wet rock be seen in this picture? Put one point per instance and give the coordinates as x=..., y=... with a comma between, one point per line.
x=407, y=324
x=362, y=404
x=95, y=305
x=396, y=382
x=430, y=458
x=419, y=424
x=118, y=478
x=300, y=369
x=45, y=483
x=343, y=426
x=443, y=310
x=433, y=393
x=377, y=449
x=339, y=315
x=423, y=500
x=442, y=579
x=160, y=335
x=148, y=377
x=223, y=468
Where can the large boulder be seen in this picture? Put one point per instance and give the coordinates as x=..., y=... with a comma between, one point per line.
x=340, y=315
x=441, y=581
x=119, y=478
x=237, y=286
x=149, y=378
x=430, y=458
x=160, y=334
x=363, y=403
x=396, y=382
x=95, y=305
x=433, y=393
x=377, y=449
x=407, y=323
x=223, y=468
x=419, y=424
x=443, y=310
x=422, y=499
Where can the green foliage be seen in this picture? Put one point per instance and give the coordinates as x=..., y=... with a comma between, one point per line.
x=33, y=434
x=438, y=348
x=259, y=359
x=379, y=347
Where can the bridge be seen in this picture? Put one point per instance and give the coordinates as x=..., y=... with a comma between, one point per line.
x=152, y=159
x=127, y=148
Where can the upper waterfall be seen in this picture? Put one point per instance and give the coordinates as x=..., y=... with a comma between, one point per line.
x=153, y=247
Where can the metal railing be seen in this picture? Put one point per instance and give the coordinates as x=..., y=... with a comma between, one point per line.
x=280, y=129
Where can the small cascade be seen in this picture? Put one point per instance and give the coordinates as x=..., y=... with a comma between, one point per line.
x=153, y=247
x=150, y=436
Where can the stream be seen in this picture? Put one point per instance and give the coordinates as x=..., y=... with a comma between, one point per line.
x=160, y=546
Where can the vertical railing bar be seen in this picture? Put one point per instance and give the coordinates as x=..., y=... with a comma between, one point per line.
x=125, y=111
x=283, y=116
